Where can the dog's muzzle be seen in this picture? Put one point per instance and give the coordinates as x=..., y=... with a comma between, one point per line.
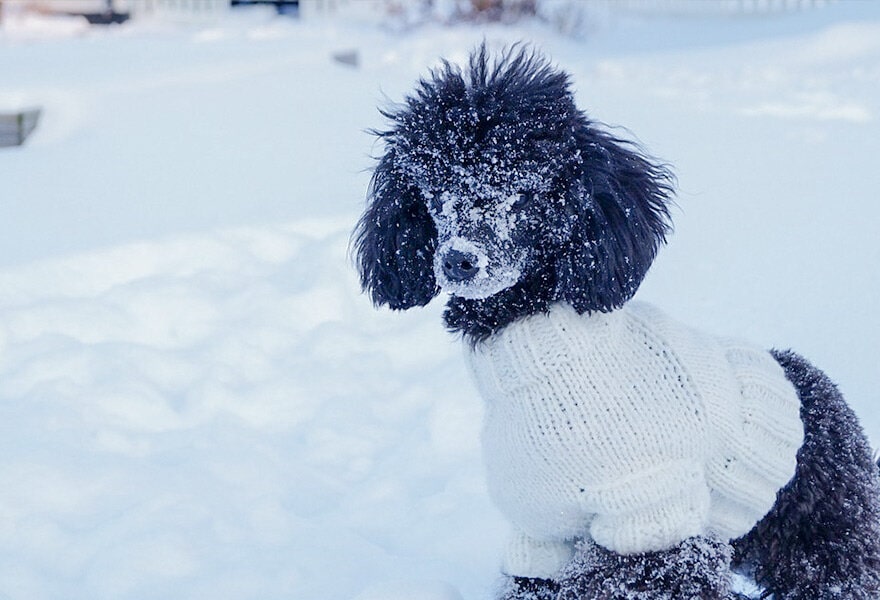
x=467, y=269
x=460, y=266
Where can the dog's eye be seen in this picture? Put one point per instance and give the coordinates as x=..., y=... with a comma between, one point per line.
x=522, y=199
x=435, y=204
x=440, y=204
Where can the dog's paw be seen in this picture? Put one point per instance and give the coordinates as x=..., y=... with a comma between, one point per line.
x=698, y=568
x=529, y=588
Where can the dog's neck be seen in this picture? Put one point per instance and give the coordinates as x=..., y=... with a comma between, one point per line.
x=476, y=320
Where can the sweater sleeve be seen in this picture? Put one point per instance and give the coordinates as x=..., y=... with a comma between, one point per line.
x=529, y=557
x=652, y=510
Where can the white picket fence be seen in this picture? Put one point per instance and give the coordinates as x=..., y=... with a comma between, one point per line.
x=567, y=15
x=553, y=10
x=196, y=9
x=706, y=7
x=643, y=7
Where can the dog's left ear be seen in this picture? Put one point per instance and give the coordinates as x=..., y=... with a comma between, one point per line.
x=619, y=206
x=394, y=241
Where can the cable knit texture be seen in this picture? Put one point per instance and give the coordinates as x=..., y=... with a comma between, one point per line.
x=631, y=429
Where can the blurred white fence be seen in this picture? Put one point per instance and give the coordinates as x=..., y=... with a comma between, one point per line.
x=135, y=7
x=197, y=8
x=645, y=7
x=567, y=15
x=176, y=8
x=706, y=7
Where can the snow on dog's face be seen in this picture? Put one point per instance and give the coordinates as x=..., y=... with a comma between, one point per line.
x=476, y=256
x=487, y=160
x=484, y=233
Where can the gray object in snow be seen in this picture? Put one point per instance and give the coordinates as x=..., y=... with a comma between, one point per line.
x=15, y=127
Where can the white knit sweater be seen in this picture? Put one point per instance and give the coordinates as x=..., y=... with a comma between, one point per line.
x=629, y=428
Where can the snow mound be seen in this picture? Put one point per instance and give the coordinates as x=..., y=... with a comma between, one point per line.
x=397, y=590
x=222, y=415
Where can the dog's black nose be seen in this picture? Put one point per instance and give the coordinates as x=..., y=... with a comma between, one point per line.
x=460, y=266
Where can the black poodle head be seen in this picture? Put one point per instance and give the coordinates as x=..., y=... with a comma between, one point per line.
x=493, y=180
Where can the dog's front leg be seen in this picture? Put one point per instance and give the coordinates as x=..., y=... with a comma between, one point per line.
x=531, y=566
x=529, y=588
x=696, y=569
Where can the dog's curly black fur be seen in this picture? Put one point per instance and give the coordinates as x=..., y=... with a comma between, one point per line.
x=696, y=568
x=821, y=540
x=594, y=210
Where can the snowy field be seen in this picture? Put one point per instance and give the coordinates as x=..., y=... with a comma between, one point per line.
x=195, y=399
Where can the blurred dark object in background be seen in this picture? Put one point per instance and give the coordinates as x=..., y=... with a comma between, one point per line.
x=495, y=10
x=16, y=126
x=283, y=7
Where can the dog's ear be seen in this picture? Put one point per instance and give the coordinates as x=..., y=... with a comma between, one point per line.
x=395, y=241
x=620, y=212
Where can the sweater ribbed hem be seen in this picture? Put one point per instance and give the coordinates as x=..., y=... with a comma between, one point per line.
x=762, y=454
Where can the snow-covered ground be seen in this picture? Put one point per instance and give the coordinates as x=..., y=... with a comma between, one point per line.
x=195, y=399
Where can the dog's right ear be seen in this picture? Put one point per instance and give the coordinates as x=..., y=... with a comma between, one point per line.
x=395, y=241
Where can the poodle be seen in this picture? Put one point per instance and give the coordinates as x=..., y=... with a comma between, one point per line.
x=635, y=457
